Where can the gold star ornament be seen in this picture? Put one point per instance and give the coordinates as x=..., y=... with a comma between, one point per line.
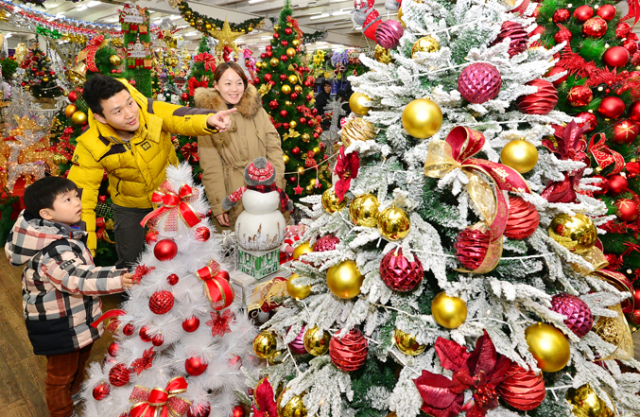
x=225, y=37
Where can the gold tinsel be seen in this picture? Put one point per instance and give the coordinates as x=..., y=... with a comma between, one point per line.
x=357, y=129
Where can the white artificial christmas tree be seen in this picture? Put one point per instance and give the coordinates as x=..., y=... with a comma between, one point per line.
x=178, y=330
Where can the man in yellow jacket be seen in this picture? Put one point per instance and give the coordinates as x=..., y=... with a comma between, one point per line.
x=129, y=137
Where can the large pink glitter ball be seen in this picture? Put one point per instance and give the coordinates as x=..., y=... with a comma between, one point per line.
x=389, y=33
x=579, y=318
x=479, y=82
x=399, y=274
x=297, y=345
x=326, y=243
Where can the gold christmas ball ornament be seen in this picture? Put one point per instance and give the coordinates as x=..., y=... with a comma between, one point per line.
x=295, y=42
x=288, y=103
x=394, y=223
x=382, y=55
x=400, y=14
x=548, y=346
x=330, y=201
x=60, y=159
x=344, y=280
x=70, y=109
x=586, y=403
x=276, y=28
x=422, y=118
x=45, y=79
x=79, y=117
x=363, y=210
x=306, y=138
x=291, y=52
x=426, y=44
x=277, y=357
x=300, y=170
x=309, y=189
x=285, y=158
x=301, y=250
x=576, y=233
x=264, y=345
x=297, y=291
x=115, y=60
x=293, y=124
x=316, y=341
x=208, y=26
x=298, y=89
x=316, y=150
x=407, y=344
x=357, y=129
x=293, y=79
x=356, y=103
x=519, y=155
x=449, y=312
x=286, y=89
x=294, y=408
x=274, y=62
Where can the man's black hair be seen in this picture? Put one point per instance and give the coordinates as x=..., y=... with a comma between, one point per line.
x=100, y=87
x=42, y=193
x=327, y=82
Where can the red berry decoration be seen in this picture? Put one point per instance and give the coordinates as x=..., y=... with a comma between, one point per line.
x=583, y=13
x=522, y=389
x=519, y=37
x=399, y=274
x=326, y=243
x=479, y=82
x=128, y=329
x=157, y=340
x=471, y=247
x=295, y=151
x=625, y=132
x=627, y=210
x=580, y=95
x=611, y=107
x=101, y=391
x=151, y=237
x=191, y=324
x=618, y=184
x=579, y=318
x=607, y=12
x=199, y=410
x=588, y=118
x=161, y=302
x=173, y=279
x=144, y=334
x=523, y=219
x=119, y=375
x=165, y=250
x=541, y=102
x=195, y=366
x=557, y=70
x=603, y=185
x=595, y=27
x=616, y=56
x=561, y=15
x=631, y=46
x=350, y=352
x=113, y=349
x=202, y=234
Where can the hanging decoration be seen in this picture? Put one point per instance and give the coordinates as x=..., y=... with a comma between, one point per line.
x=206, y=24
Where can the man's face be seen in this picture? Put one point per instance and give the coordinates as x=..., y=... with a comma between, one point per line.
x=327, y=89
x=121, y=112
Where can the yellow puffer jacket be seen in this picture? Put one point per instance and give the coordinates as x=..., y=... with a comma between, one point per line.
x=137, y=167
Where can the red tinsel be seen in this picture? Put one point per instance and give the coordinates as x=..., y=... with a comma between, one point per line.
x=615, y=261
x=220, y=322
x=141, y=271
x=143, y=363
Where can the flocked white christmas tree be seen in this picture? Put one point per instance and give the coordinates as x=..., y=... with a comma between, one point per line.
x=180, y=344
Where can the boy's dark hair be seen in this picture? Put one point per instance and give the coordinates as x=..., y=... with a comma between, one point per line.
x=42, y=193
x=100, y=87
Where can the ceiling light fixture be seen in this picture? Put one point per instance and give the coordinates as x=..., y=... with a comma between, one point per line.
x=319, y=16
x=93, y=3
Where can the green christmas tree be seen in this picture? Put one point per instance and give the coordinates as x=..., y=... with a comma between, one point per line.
x=40, y=79
x=137, y=42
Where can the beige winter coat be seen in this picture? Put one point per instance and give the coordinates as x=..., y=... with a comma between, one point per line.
x=224, y=156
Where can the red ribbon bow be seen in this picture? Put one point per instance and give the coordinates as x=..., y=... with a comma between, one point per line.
x=193, y=84
x=160, y=402
x=172, y=206
x=190, y=152
x=217, y=287
x=296, y=27
x=634, y=11
x=90, y=53
x=208, y=60
x=610, y=161
x=101, y=233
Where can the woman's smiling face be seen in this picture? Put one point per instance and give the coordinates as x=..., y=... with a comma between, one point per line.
x=230, y=86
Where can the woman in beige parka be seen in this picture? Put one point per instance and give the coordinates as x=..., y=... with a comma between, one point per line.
x=224, y=155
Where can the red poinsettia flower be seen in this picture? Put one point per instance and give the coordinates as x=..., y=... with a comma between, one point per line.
x=220, y=323
x=264, y=400
x=481, y=371
x=346, y=168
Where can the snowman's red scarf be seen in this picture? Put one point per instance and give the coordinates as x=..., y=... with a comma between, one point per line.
x=237, y=195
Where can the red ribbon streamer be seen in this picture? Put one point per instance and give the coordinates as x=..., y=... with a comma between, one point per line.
x=91, y=49
x=172, y=206
x=634, y=11
x=609, y=160
x=106, y=316
x=217, y=287
x=160, y=402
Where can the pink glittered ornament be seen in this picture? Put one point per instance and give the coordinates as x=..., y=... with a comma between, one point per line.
x=479, y=82
x=518, y=37
x=297, y=345
x=522, y=389
x=398, y=273
x=389, y=33
x=326, y=243
x=350, y=352
x=579, y=318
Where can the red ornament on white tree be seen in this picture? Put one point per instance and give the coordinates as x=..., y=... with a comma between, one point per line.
x=522, y=389
x=161, y=302
x=195, y=366
x=165, y=250
x=398, y=273
x=101, y=391
x=199, y=410
x=119, y=375
x=144, y=334
x=191, y=324
x=579, y=317
x=471, y=247
x=479, y=82
x=603, y=185
x=113, y=349
x=541, y=102
x=203, y=234
x=350, y=352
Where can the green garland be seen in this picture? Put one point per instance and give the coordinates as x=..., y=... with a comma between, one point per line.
x=51, y=34
x=205, y=23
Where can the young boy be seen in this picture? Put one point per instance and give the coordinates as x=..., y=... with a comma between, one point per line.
x=60, y=286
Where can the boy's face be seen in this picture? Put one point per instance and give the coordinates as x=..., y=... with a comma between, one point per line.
x=67, y=208
x=121, y=112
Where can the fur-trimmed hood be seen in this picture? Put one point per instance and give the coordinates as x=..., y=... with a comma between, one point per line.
x=209, y=98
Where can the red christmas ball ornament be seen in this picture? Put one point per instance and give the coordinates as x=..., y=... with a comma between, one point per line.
x=119, y=375
x=295, y=151
x=636, y=297
x=557, y=70
x=195, y=366
x=561, y=15
x=634, y=111
x=151, y=237
x=303, y=120
x=113, y=349
x=191, y=324
x=618, y=184
x=273, y=104
x=309, y=97
x=611, y=107
x=72, y=96
x=607, y=12
x=283, y=77
x=634, y=317
x=311, y=122
x=314, y=112
x=276, y=35
x=294, y=96
x=284, y=58
x=165, y=250
x=263, y=56
x=622, y=30
x=522, y=389
x=173, y=279
x=316, y=136
x=128, y=329
x=563, y=35
x=595, y=27
x=631, y=46
x=579, y=318
x=580, y=95
x=283, y=113
x=625, y=132
x=238, y=411
x=101, y=391
x=292, y=180
x=288, y=31
x=400, y=274
x=588, y=118
x=523, y=219
x=517, y=34
x=267, y=77
x=157, y=340
x=583, y=13
x=202, y=234
x=479, y=82
x=627, y=210
x=144, y=334
x=268, y=48
x=256, y=80
x=539, y=30
x=603, y=185
x=471, y=247
x=541, y=102
x=616, y=56
x=199, y=410
x=327, y=243
x=285, y=126
x=161, y=302
x=350, y=352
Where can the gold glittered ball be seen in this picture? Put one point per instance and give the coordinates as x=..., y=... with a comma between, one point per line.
x=199, y=22
x=301, y=250
x=295, y=42
x=192, y=23
x=316, y=149
x=363, y=210
x=309, y=189
x=316, y=342
x=45, y=79
x=274, y=62
x=382, y=55
x=357, y=129
x=286, y=89
x=291, y=52
x=586, y=403
x=400, y=14
x=356, y=103
x=115, y=60
x=407, y=344
x=305, y=137
x=288, y=103
x=576, y=233
x=548, y=346
x=422, y=118
x=208, y=26
x=60, y=159
x=300, y=170
x=298, y=89
x=79, y=117
x=519, y=155
x=394, y=223
x=285, y=158
x=297, y=291
x=277, y=357
x=344, y=280
x=294, y=408
x=426, y=44
x=47, y=59
x=293, y=79
x=264, y=345
x=449, y=312
x=330, y=201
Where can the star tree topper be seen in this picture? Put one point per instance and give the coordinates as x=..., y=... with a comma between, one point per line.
x=225, y=37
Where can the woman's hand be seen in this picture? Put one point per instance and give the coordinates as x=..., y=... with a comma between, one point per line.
x=221, y=119
x=223, y=219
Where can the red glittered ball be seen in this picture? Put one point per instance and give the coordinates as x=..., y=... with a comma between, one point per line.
x=151, y=237
x=128, y=329
x=611, y=107
x=625, y=132
x=237, y=411
x=399, y=274
x=618, y=184
x=627, y=210
x=471, y=247
x=165, y=250
x=522, y=389
x=616, y=56
x=113, y=349
x=580, y=95
x=541, y=102
x=595, y=27
x=588, y=118
x=157, y=340
x=634, y=111
x=603, y=185
x=101, y=391
x=199, y=410
x=517, y=34
x=479, y=82
x=631, y=46
x=350, y=352
x=191, y=324
x=203, y=234
x=523, y=219
x=144, y=334
x=579, y=318
x=119, y=375
x=326, y=243
x=561, y=15
x=195, y=366
x=557, y=70
x=583, y=13
x=607, y=12
x=161, y=302
x=173, y=279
